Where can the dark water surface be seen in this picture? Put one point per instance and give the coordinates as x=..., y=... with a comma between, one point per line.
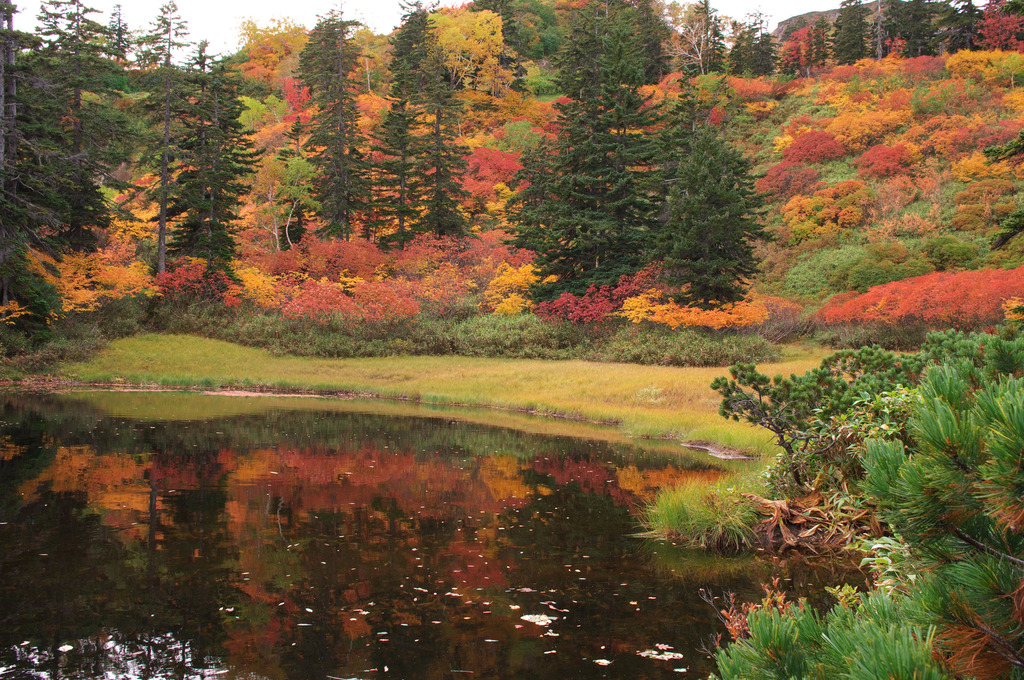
x=187, y=536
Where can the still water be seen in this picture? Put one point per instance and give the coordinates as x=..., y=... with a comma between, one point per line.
x=183, y=536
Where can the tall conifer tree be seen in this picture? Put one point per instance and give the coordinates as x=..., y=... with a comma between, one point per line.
x=706, y=244
x=30, y=185
x=167, y=35
x=593, y=196
x=217, y=156
x=335, y=143
x=442, y=162
x=913, y=23
x=72, y=59
x=958, y=25
x=119, y=35
x=852, y=33
x=399, y=201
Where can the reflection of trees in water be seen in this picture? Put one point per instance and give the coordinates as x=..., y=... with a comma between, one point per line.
x=304, y=544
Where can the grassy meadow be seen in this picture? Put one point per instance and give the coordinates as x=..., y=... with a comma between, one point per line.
x=642, y=401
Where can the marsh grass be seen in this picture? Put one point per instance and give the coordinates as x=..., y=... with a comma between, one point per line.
x=703, y=516
x=684, y=407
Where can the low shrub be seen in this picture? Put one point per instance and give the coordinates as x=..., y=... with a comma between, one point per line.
x=521, y=336
x=642, y=344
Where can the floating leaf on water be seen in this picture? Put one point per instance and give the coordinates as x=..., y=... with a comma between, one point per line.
x=539, y=619
x=660, y=656
x=602, y=662
x=65, y=648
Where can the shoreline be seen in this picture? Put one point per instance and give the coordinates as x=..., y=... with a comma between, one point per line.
x=62, y=385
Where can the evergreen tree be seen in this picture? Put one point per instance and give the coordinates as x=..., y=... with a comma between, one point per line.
x=958, y=25
x=713, y=52
x=400, y=190
x=119, y=36
x=167, y=34
x=341, y=185
x=912, y=25
x=706, y=244
x=654, y=33
x=29, y=184
x=753, y=49
x=72, y=60
x=820, y=42
x=852, y=33
x=216, y=159
x=957, y=500
x=441, y=162
x=591, y=205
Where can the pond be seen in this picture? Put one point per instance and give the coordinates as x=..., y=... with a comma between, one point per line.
x=152, y=535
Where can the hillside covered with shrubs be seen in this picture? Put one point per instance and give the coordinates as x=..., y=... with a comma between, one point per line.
x=475, y=185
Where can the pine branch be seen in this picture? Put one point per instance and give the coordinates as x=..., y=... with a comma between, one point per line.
x=987, y=548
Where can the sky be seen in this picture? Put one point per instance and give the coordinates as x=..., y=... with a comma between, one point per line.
x=218, y=20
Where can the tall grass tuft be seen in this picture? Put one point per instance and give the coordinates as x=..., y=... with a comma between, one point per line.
x=698, y=515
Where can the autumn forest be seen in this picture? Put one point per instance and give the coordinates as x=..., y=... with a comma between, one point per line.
x=513, y=177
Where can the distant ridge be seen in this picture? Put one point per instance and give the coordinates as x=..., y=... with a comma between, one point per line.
x=810, y=17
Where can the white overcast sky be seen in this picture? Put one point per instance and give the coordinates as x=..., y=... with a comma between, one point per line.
x=218, y=20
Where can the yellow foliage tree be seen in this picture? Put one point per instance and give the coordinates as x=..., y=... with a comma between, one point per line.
x=506, y=294
x=471, y=44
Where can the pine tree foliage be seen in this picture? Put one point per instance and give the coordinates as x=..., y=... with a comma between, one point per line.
x=216, y=159
x=399, y=199
x=591, y=212
x=119, y=36
x=335, y=143
x=912, y=23
x=441, y=162
x=72, y=59
x=957, y=499
x=951, y=487
x=707, y=243
x=29, y=182
x=156, y=51
x=753, y=50
x=852, y=32
x=958, y=25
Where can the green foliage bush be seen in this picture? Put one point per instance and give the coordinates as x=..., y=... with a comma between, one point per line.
x=664, y=347
x=951, y=488
x=522, y=336
x=868, y=642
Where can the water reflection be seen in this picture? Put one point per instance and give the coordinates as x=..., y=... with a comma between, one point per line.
x=295, y=542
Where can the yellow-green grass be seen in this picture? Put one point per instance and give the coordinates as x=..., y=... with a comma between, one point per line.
x=647, y=401
x=705, y=516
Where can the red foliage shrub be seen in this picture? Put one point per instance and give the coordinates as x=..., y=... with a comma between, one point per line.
x=752, y=89
x=318, y=299
x=717, y=116
x=370, y=302
x=787, y=179
x=885, y=161
x=190, y=281
x=964, y=300
x=384, y=302
x=599, y=301
x=487, y=168
x=999, y=133
x=929, y=67
x=318, y=259
x=814, y=147
x=331, y=258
